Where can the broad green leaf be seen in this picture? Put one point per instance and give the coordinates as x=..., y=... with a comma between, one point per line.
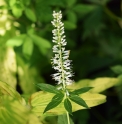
x=56, y=100
x=28, y=47
x=71, y=16
x=44, y=11
x=60, y=3
x=16, y=41
x=70, y=3
x=84, y=8
x=17, y=10
x=117, y=69
x=93, y=26
x=69, y=25
x=49, y=119
x=68, y=105
x=48, y=88
x=26, y=2
x=12, y=2
x=41, y=43
x=12, y=112
x=39, y=100
x=6, y=89
x=62, y=119
x=8, y=67
x=30, y=14
x=78, y=100
x=28, y=76
x=30, y=31
x=58, y=96
x=101, y=2
x=98, y=84
x=33, y=119
x=81, y=90
x=119, y=89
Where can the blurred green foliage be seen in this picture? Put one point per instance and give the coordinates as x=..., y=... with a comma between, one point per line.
x=94, y=35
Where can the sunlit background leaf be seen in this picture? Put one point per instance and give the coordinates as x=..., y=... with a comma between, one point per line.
x=39, y=101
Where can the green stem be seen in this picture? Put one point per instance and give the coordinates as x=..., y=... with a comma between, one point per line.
x=111, y=14
x=63, y=75
x=68, y=118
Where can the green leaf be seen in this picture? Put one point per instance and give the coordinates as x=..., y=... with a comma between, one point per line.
x=28, y=76
x=26, y=2
x=93, y=26
x=59, y=3
x=78, y=100
x=68, y=105
x=44, y=11
x=49, y=119
x=58, y=96
x=48, y=88
x=7, y=90
x=17, y=10
x=12, y=112
x=70, y=3
x=84, y=8
x=71, y=16
x=30, y=31
x=117, y=69
x=41, y=43
x=81, y=90
x=30, y=14
x=98, y=84
x=62, y=119
x=99, y=2
x=27, y=47
x=16, y=41
x=12, y=2
x=69, y=25
x=39, y=100
x=8, y=65
x=56, y=100
x=33, y=119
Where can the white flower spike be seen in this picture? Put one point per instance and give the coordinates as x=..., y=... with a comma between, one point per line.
x=60, y=61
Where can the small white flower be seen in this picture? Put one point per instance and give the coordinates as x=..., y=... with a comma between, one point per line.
x=60, y=61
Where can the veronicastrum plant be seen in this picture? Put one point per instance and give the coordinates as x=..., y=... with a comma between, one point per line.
x=57, y=100
x=64, y=99
x=63, y=75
